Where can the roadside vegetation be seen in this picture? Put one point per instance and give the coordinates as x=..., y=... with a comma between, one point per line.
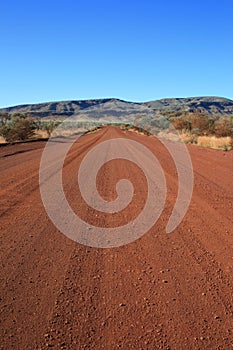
x=16, y=127
x=194, y=128
x=21, y=127
x=200, y=129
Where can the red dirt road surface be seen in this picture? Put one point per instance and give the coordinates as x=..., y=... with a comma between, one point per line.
x=163, y=291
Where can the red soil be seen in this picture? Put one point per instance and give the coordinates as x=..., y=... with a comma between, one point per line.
x=163, y=291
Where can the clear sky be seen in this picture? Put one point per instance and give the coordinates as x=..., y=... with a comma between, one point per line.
x=133, y=50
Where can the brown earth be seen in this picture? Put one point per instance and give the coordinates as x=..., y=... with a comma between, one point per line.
x=163, y=291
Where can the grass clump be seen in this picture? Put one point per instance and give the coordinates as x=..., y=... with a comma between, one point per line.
x=223, y=143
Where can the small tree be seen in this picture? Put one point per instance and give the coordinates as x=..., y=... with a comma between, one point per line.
x=4, y=118
x=202, y=122
x=20, y=129
x=224, y=127
x=181, y=123
x=4, y=131
x=50, y=126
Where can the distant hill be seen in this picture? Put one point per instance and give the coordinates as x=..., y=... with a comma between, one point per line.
x=116, y=109
x=210, y=105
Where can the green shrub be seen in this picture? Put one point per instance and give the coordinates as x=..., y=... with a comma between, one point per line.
x=19, y=130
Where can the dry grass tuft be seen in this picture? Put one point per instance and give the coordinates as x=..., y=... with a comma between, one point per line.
x=188, y=138
x=41, y=134
x=2, y=140
x=224, y=143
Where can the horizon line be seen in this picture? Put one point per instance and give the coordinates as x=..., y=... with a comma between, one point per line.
x=111, y=98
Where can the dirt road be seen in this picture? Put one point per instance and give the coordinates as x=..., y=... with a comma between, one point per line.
x=163, y=291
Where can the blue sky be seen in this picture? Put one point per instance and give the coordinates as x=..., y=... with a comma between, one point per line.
x=133, y=50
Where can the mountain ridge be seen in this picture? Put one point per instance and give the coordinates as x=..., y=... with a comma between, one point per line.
x=212, y=105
